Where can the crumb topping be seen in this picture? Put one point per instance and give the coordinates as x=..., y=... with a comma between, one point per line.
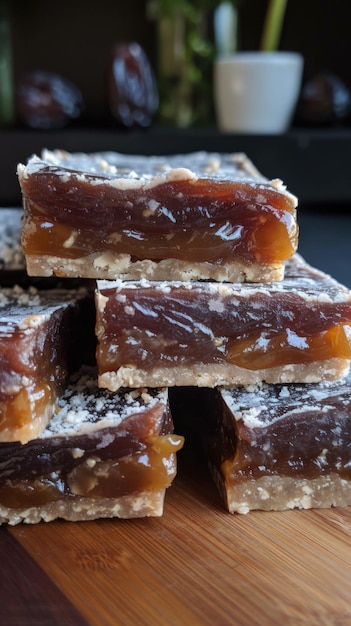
x=301, y=280
x=28, y=308
x=11, y=255
x=125, y=171
x=85, y=407
x=262, y=405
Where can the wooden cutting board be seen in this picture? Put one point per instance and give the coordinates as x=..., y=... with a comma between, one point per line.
x=196, y=565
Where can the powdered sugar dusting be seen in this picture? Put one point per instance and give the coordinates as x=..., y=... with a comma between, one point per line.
x=11, y=255
x=261, y=405
x=84, y=407
x=27, y=309
x=125, y=171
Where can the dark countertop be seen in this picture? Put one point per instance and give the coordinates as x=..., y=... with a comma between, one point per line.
x=314, y=164
x=325, y=239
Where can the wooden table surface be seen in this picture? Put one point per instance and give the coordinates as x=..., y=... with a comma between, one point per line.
x=195, y=565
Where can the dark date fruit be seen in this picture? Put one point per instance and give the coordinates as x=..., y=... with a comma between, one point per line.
x=131, y=88
x=325, y=99
x=45, y=100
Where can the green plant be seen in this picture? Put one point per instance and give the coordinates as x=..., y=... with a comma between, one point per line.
x=187, y=51
x=185, y=56
x=273, y=24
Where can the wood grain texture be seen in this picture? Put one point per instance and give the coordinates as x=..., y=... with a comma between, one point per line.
x=27, y=596
x=200, y=565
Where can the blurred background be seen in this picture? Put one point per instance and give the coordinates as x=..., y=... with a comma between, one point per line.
x=75, y=39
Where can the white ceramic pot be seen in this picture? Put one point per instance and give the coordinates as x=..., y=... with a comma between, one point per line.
x=257, y=92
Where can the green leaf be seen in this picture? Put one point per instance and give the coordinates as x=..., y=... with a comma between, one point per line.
x=273, y=25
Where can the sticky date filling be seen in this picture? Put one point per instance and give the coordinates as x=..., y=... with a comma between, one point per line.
x=44, y=471
x=191, y=221
x=146, y=327
x=296, y=431
x=305, y=444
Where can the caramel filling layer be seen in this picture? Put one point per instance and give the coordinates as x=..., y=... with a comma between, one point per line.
x=151, y=468
x=300, y=431
x=24, y=416
x=180, y=325
x=194, y=221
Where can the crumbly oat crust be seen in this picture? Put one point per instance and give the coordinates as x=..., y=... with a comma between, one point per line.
x=279, y=493
x=146, y=504
x=224, y=374
x=109, y=266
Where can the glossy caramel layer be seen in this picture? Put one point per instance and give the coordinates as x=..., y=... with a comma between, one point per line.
x=145, y=326
x=301, y=431
x=144, y=467
x=107, y=207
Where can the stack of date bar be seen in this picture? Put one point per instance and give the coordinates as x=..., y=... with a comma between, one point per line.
x=198, y=287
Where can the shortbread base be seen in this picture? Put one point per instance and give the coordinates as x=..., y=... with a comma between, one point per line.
x=111, y=266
